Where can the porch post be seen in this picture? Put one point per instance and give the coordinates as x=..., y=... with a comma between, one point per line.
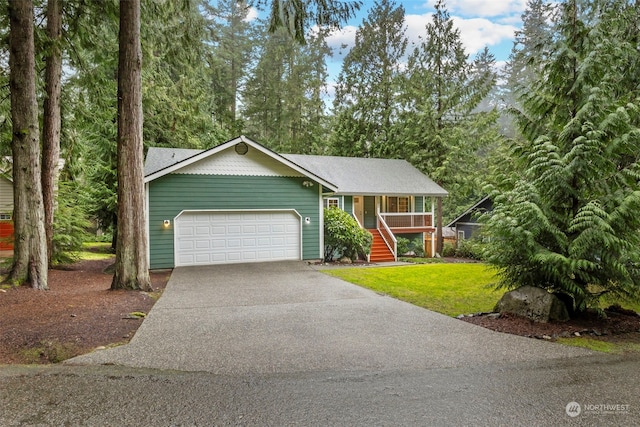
x=439, y=229
x=433, y=237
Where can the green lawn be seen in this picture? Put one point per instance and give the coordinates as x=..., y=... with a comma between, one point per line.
x=454, y=289
x=451, y=289
x=95, y=251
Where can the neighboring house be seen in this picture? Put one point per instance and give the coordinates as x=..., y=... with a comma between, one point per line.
x=6, y=211
x=448, y=237
x=6, y=202
x=241, y=202
x=467, y=225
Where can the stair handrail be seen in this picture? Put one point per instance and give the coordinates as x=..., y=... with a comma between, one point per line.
x=388, y=237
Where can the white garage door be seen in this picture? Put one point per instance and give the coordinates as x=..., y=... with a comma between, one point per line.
x=204, y=238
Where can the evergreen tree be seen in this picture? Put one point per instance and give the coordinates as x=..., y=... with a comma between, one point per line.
x=282, y=98
x=177, y=100
x=530, y=51
x=90, y=128
x=446, y=135
x=366, y=105
x=30, y=262
x=51, y=122
x=132, y=264
x=228, y=60
x=295, y=16
x=567, y=220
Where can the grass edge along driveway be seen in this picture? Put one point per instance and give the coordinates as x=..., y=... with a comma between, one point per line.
x=451, y=289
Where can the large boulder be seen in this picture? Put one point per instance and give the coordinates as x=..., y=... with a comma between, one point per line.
x=534, y=303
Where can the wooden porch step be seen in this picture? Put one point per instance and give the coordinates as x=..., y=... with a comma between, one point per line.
x=379, y=250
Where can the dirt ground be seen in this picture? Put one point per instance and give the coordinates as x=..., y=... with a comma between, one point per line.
x=80, y=313
x=616, y=327
x=77, y=314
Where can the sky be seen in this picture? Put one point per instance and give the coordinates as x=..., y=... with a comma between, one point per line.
x=490, y=23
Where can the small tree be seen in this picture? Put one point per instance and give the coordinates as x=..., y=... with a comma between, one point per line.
x=343, y=236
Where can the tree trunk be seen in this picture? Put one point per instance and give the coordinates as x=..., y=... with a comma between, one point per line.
x=132, y=267
x=30, y=251
x=51, y=120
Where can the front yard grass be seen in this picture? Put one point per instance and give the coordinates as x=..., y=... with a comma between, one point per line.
x=451, y=289
x=455, y=289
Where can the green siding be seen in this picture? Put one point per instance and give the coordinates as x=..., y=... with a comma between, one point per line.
x=171, y=194
x=348, y=204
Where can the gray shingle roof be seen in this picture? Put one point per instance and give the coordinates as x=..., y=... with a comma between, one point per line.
x=369, y=176
x=160, y=158
x=352, y=175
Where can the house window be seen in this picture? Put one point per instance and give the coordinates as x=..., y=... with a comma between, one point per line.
x=5, y=216
x=460, y=235
x=398, y=204
x=331, y=202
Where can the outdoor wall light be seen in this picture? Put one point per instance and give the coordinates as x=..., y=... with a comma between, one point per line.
x=166, y=223
x=307, y=220
x=307, y=184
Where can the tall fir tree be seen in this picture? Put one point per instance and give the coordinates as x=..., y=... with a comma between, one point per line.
x=131, y=270
x=446, y=135
x=567, y=219
x=366, y=105
x=282, y=98
x=231, y=37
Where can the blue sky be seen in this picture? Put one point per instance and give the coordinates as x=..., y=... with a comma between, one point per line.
x=481, y=23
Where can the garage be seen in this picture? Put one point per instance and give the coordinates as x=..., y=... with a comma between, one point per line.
x=211, y=237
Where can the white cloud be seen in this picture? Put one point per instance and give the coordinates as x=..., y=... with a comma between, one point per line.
x=252, y=14
x=345, y=36
x=476, y=33
x=484, y=8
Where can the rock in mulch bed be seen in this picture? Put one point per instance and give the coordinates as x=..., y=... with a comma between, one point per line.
x=618, y=322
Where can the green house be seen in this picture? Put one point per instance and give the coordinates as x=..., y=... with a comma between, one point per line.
x=241, y=202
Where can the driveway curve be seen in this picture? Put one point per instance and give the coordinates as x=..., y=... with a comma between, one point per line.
x=286, y=317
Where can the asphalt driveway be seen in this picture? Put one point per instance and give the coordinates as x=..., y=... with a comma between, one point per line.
x=286, y=317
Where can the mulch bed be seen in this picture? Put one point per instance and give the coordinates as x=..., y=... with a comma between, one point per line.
x=77, y=314
x=618, y=325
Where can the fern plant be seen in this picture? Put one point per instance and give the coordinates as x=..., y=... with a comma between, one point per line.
x=566, y=216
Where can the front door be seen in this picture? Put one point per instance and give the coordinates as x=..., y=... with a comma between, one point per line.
x=370, y=212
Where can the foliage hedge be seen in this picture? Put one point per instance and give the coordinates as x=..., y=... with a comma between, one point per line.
x=406, y=246
x=344, y=237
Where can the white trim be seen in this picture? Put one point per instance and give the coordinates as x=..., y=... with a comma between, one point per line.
x=337, y=199
x=175, y=239
x=467, y=211
x=460, y=233
x=321, y=226
x=147, y=222
x=231, y=143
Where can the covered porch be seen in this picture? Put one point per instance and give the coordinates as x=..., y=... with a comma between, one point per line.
x=388, y=217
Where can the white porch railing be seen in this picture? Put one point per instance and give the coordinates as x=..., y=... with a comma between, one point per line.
x=387, y=236
x=407, y=220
